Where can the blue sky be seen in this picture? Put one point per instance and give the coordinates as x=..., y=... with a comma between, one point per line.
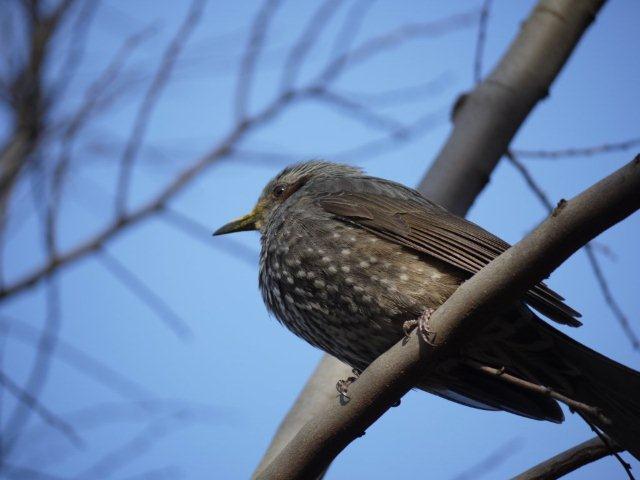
x=225, y=387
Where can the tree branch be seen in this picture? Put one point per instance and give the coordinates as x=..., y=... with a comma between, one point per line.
x=572, y=224
x=492, y=113
x=568, y=461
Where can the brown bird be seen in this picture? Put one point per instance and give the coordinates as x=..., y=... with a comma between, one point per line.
x=350, y=263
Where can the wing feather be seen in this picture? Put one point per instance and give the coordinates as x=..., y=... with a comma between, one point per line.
x=414, y=222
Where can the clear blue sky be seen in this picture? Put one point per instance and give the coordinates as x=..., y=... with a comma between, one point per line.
x=240, y=370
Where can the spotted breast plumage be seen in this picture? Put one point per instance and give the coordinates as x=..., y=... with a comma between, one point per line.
x=348, y=260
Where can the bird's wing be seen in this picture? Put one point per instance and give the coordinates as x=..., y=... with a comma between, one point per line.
x=402, y=216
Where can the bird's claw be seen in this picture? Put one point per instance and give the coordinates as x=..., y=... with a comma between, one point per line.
x=342, y=386
x=422, y=323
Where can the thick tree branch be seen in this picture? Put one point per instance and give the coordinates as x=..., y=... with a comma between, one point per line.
x=492, y=113
x=571, y=225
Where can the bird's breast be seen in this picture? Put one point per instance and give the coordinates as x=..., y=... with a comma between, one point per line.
x=346, y=290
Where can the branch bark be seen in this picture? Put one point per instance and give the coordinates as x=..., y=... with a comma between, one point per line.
x=571, y=225
x=484, y=125
x=568, y=461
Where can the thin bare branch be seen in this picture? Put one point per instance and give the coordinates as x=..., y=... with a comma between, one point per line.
x=491, y=461
x=141, y=290
x=251, y=55
x=169, y=472
x=150, y=99
x=587, y=410
x=202, y=233
x=76, y=358
x=359, y=111
x=116, y=459
x=93, y=100
x=350, y=28
x=610, y=445
x=579, y=152
x=394, y=38
x=77, y=46
x=610, y=300
x=377, y=146
x=42, y=411
x=481, y=41
x=401, y=95
x=317, y=22
x=14, y=472
x=40, y=369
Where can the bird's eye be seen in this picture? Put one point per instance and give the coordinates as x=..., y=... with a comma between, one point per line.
x=279, y=190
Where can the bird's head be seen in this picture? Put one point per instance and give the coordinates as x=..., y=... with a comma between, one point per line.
x=280, y=189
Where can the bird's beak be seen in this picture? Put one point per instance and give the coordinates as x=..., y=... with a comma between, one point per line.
x=242, y=224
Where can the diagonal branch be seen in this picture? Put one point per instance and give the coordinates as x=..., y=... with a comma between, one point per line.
x=580, y=152
x=568, y=461
x=481, y=41
x=141, y=290
x=610, y=300
x=41, y=410
x=150, y=99
x=252, y=54
x=572, y=224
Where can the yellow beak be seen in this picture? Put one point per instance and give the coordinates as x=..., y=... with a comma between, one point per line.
x=242, y=224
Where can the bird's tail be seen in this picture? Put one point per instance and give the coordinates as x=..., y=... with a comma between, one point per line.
x=582, y=374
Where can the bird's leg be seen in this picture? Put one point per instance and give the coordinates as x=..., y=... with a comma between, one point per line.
x=342, y=386
x=423, y=326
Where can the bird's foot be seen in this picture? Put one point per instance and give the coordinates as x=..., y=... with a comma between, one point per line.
x=342, y=386
x=422, y=322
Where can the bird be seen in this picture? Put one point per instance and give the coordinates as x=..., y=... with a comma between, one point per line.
x=351, y=263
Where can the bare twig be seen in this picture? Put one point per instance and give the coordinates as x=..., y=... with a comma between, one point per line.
x=42, y=411
x=251, y=55
x=143, y=441
x=295, y=59
x=141, y=290
x=150, y=99
x=491, y=461
x=481, y=41
x=201, y=233
x=76, y=358
x=579, y=152
x=359, y=111
x=93, y=99
x=393, y=39
x=398, y=96
x=610, y=300
x=76, y=49
x=40, y=369
x=607, y=441
x=350, y=27
x=581, y=407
